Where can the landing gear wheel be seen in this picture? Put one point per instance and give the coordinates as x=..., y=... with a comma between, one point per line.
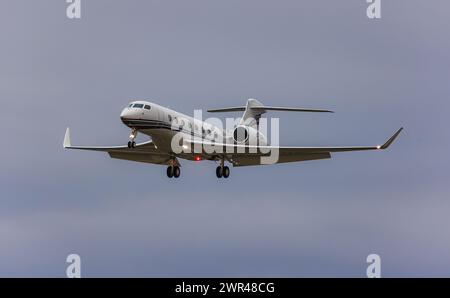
x=170, y=171
x=176, y=171
x=219, y=172
x=129, y=144
x=225, y=172
x=133, y=144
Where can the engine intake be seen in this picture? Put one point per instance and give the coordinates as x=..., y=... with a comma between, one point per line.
x=240, y=134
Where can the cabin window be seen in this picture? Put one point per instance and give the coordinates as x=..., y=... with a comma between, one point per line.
x=170, y=118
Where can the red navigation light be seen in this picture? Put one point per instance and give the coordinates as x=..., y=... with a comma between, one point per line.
x=198, y=158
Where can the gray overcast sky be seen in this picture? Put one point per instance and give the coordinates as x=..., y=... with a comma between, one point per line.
x=319, y=218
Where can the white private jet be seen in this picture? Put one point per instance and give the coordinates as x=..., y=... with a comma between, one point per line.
x=158, y=123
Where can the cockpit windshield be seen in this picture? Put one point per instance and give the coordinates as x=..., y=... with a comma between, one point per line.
x=139, y=106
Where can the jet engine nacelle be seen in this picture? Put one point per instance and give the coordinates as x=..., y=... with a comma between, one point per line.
x=246, y=135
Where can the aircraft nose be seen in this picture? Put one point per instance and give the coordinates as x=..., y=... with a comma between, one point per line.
x=125, y=114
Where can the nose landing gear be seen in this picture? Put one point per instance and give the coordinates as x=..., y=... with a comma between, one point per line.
x=133, y=135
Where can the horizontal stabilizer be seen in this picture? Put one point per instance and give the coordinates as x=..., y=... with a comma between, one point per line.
x=266, y=108
x=290, y=109
x=232, y=109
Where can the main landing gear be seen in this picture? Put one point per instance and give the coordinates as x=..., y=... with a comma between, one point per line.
x=173, y=171
x=222, y=171
x=133, y=135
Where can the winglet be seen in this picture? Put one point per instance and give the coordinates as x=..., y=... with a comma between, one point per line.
x=391, y=140
x=66, y=143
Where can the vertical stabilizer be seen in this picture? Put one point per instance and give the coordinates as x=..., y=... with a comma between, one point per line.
x=252, y=112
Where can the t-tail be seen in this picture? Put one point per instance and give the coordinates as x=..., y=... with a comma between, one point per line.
x=254, y=109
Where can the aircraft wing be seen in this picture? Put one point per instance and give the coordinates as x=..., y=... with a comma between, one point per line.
x=143, y=152
x=244, y=155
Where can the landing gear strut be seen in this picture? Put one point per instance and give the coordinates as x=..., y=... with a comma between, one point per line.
x=133, y=135
x=222, y=171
